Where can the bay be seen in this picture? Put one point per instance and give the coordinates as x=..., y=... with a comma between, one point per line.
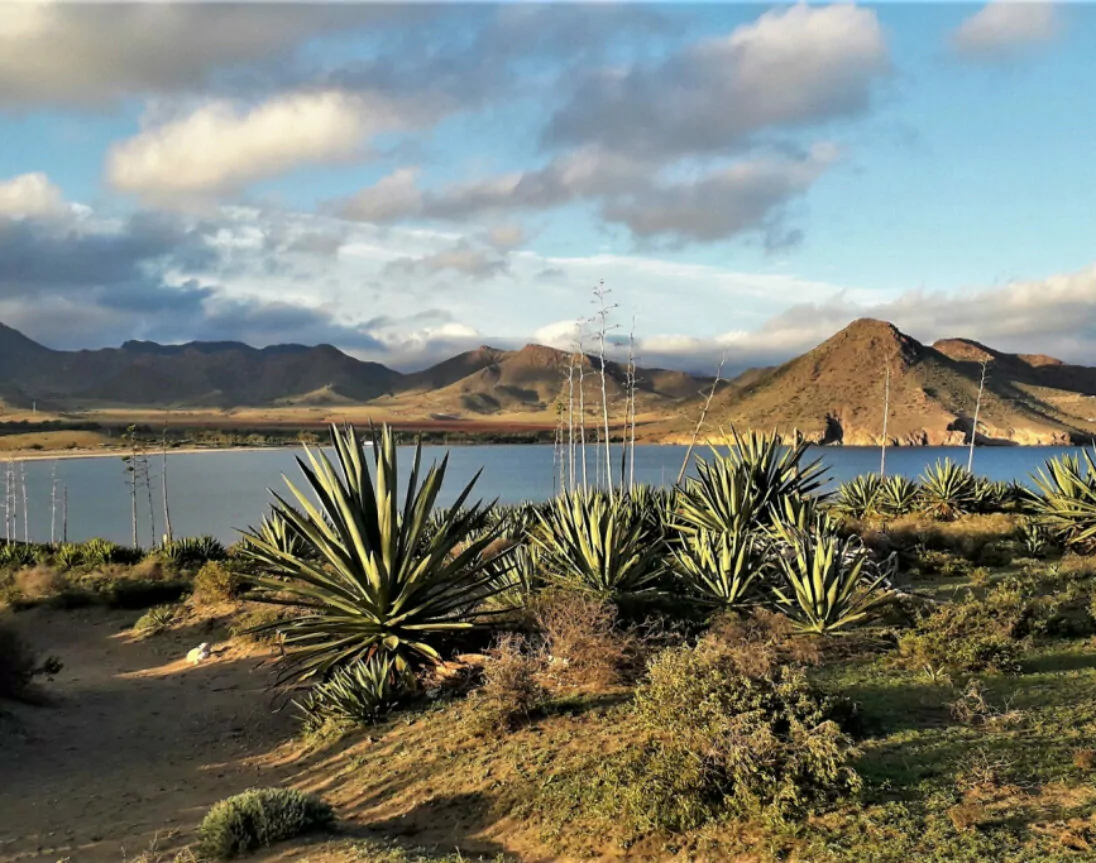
x=218, y=492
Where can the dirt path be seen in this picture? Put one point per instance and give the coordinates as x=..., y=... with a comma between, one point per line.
x=135, y=742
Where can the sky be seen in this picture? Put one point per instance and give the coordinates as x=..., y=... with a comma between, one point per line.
x=409, y=181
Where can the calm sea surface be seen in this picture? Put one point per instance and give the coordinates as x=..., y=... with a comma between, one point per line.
x=219, y=492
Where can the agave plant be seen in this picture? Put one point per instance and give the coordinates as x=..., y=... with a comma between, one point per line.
x=192, y=551
x=897, y=496
x=827, y=584
x=98, y=552
x=516, y=576
x=68, y=556
x=372, y=581
x=1066, y=504
x=747, y=485
x=990, y=495
x=859, y=497
x=101, y=552
x=589, y=543
x=720, y=498
x=1036, y=539
x=363, y=692
x=276, y=532
x=15, y=555
x=947, y=490
x=721, y=568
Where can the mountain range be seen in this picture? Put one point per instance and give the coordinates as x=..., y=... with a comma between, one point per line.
x=833, y=394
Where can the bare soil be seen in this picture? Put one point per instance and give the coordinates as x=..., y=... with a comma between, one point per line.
x=132, y=744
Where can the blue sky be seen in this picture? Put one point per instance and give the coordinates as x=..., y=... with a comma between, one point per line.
x=409, y=181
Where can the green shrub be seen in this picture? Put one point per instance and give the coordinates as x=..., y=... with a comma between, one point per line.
x=971, y=634
x=712, y=739
x=929, y=561
x=996, y=553
x=134, y=594
x=361, y=693
x=156, y=620
x=258, y=818
x=216, y=582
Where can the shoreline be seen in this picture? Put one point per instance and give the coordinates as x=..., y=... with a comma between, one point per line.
x=153, y=453
x=69, y=454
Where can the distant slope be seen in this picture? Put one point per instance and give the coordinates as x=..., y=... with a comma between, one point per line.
x=835, y=394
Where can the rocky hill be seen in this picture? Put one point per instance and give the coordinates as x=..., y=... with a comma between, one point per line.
x=835, y=394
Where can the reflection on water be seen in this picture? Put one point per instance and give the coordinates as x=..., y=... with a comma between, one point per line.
x=219, y=492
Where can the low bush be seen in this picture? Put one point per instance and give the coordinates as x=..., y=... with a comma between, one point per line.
x=19, y=665
x=133, y=594
x=585, y=645
x=712, y=739
x=216, y=582
x=932, y=562
x=997, y=553
x=973, y=633
x=758, y=642
x=40, y=582
x=259, y=625
x=511, y=690
x=258, y=818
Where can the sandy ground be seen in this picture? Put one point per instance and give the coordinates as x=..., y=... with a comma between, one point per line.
x=134, y=743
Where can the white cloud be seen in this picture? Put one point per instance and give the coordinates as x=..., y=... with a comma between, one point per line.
x=30, y=196
x=790, y=68
x=746, y=195
x=1002, y=27
x=93, y=54
x=219, y=148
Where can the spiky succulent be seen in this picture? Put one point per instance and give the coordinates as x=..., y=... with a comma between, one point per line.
x=897, y=496
x=362, y=692
x=859, y=497
x=374, y=577
x=1066, y=504
x=591, y=543
x=827, y=584
x=722, y=568
x=947, y=490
